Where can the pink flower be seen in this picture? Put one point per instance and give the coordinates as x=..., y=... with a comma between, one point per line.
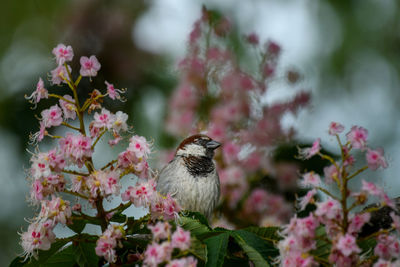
x=347, y=245
x=105, y=248
x=165, y=207
x=109, y=182
x=375, y=159
x=103, y=120
x=230, y=152
x=63, y=53
x=388, y=247
x=142, y=194
x=308, y=198
x=357, y=137
x=396, y=221
x=52, y=116
x=112, y=92
x=329, y=209
x=183, y=262
x=307, y=153
x=331, y=174
x=383, y=263
x=252, y=39
x=40, y=166
x=68, y=108
x=157, y=253
x=273, y=48
x=76, y=148
x=371, y=188
x=310, y=179
x=105, y=245
x=161, y=230
x=39, y=236
x=180, y=239
x=39, y=93
x=60, y=74
x=139, y=146
x=56, y=209
x=257, y=200
x=357, y=222
x=335, y=128
x=119, y=122
x=89, y=66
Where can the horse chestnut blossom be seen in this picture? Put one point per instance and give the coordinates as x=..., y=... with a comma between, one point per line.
x=38, y=94
x=163, y=244
x=343, y=227
x=69, y=168
x=63, y=53
x=89, y=66
x=218, y=94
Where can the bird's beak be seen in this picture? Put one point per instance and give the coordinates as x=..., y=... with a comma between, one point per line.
x=213, y=144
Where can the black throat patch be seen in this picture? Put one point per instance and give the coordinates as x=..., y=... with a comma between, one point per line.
x=199, y=166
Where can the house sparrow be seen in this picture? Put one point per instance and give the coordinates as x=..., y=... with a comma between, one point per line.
x=191, y=177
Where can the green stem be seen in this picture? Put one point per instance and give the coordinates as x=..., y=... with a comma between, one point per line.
x=109, y=164
x=76, y=194
x=327, y=192
x=62, y=98
x=98, y=138
x=357, y=172
x=70, y=126
x=75, y=172
x=121, y=207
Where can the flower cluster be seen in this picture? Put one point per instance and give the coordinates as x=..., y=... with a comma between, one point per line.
x=69, y=169
x=217, y=94
x=164, y=243
x=342, y=226
x=108, y=241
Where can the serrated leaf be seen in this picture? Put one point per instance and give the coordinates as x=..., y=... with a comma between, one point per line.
x=194, y=226
x=259, y=251
x=198, y=249
x=216, y=249
x=196, y=216
x=266, y=233
x=84, y=254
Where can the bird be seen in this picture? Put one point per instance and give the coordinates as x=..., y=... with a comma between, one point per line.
x=191, y=177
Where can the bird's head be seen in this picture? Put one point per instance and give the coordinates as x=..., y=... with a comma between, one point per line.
x=198, y=145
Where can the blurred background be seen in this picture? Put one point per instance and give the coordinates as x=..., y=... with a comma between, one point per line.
x=348, y=53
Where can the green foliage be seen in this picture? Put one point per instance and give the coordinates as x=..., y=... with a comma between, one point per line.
x=254, y=243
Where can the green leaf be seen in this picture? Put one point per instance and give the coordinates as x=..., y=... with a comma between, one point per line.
x=198, y=249
x=77, y=225
x=216, y=249
x=266, y=233
x=197, y=228
x=64, y=258
x=118, y=217
x=259, y=251
x=197, y=216
x=85, y=255
x=323, y=248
